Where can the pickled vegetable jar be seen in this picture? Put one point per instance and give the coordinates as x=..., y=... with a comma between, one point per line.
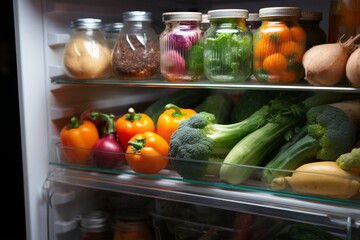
x=86, y=54
x=227, y=46
x=94, y=225
x=310, y=22
x=181, y=47
x=136, y=53
x=279, y=45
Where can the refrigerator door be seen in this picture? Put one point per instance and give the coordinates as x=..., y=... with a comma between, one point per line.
x=47, y=100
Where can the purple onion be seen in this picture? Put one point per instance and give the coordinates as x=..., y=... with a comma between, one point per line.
x=107, y=151
x=173, y=62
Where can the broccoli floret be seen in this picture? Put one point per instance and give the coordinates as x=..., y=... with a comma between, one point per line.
x=200, y=138
x=331, y=131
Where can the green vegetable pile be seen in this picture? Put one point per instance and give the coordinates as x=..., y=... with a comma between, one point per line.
x=200, y=146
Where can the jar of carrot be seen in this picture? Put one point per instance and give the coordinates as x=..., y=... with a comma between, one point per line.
x=279, y=45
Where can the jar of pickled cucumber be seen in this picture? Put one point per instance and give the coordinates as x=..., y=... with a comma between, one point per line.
x=228, y=46
x=279, y=45
x=181, y=47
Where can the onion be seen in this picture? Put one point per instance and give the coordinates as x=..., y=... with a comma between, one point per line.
x=325, y=64
x=353, y=68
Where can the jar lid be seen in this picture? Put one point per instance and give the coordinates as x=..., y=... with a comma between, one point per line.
x=114, y=27
x=228, y=13
x=311, y=16
x=205, y=18
x=94, y=219
x=91, y=23
x=279, y=12
x=182, y=16
x=253, y=17
x=137, y=16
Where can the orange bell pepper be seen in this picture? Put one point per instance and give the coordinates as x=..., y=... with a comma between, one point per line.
x=147, y=153
x=170, y=119
x=78, y=138
x=132, y=123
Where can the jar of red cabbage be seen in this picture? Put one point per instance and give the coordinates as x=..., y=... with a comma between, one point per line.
x=181, y=47
x=228, y=46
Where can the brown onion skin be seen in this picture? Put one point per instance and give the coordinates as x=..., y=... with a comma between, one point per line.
x=353, y=68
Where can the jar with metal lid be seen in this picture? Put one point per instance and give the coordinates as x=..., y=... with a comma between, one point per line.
x=205, y=23
x=279, y=45
x=136, y=53
x=310, y=22
x=181, y=47
x=86, y=54
x=94, y=225
x=112, y=31
x=228, y=46
x=253, y=22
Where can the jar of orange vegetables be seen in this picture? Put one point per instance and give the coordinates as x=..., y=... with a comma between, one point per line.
x=279, y=45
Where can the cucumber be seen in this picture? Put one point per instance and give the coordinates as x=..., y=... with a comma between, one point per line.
x=185, y=98
x=219, y=104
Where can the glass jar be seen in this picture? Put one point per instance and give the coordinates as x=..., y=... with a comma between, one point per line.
x=310, y=22
x=253, y=22
x=86, y=54
x=181, y=47
x=133, y=226
x=112, y=31
x=344, y=20
x=228, y=46
x=205, y=23
x=94, y=225
x=136, y=53
x=279, y=45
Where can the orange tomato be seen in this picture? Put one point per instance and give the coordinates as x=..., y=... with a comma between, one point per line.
x=147, y=153
x=288, y=77
x=277, y=33
x=298, y=34
x=263, y=48
x=275, y=63
x=292, y=50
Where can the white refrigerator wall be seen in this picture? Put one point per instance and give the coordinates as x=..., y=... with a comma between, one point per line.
x=42, y=28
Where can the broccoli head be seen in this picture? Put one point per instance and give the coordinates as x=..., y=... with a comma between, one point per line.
x=200, y=138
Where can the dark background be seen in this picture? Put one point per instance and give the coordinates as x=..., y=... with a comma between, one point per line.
x=12, y=207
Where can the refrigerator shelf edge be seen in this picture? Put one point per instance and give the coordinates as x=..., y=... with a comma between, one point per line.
x=261, y=203
x=251, y=85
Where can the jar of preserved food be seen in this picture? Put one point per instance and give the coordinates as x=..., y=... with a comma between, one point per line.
x=205, y=23
x=136, y=53
x=94, y=225
x=112, y=31
x=133, y=226
x=310, y=22
x=181, y=47
x=253, y=22
x=344, y=20
x=227, y=46
x=86, y=54
x=279, y=45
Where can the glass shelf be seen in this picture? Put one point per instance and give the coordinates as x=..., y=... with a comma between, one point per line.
x=251, y=84
x=251, y=195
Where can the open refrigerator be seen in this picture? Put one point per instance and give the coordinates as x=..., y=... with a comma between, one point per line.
x=56, y=194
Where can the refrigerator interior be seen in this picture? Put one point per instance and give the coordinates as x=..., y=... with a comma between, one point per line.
x=42, y=28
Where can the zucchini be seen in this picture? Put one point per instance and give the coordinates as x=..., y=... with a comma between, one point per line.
x=184, y=98
x=219, y=104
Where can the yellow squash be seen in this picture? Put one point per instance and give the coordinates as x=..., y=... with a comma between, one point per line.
x=324, y=178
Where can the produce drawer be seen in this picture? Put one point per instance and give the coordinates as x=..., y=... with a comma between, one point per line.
x=253, y=183
x=180, y=221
